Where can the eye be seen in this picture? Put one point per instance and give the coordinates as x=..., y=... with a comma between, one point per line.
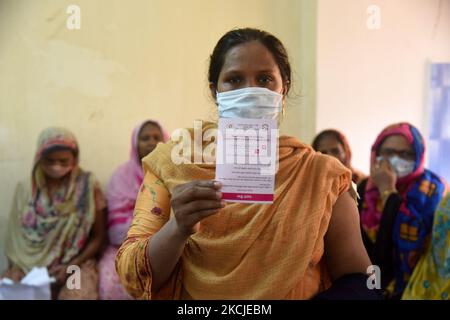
x=47, y=161
x=234, y=80
x=408, y=155
x=265, y=79
x=335, y=151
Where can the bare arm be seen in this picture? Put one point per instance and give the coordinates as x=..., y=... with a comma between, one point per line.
x=344, y=248
x=155, y=241
x=164, y=251
x=191, y=202
x=96, y=240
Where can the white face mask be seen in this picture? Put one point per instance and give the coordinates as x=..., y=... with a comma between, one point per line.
x=251, y=102
x=57, y=171
x=401, y=166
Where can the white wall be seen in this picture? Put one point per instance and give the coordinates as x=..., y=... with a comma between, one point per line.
x=367, y=79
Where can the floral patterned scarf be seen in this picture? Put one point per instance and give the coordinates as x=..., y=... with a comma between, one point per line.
x=42, y=230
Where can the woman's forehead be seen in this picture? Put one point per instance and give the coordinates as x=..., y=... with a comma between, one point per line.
x=250, y=56
x=396, y=141
x=149, y=128
x=329, y=141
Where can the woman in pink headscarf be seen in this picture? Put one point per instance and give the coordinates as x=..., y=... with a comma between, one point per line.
x=121, y=195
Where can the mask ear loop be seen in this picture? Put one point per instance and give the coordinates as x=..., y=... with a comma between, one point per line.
x=283, y=107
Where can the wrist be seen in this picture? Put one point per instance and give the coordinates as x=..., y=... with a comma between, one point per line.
x=75, y=262
x=387, y=188
x=178, y=232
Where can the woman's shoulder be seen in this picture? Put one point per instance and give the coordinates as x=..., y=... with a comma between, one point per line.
x=431, y=183
x=87, y=174
x=433, y=177
x=89, y=179
x=314, y=165
x=119, y=173
x=325, y=164
x=181, y=146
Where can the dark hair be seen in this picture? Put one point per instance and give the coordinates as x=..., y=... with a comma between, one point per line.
x=153, y=123
x=237, y=37
x=56, y=148
x=327, y=133
x=339, y=137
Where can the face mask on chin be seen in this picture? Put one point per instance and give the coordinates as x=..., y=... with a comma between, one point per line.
x=250, y=103
x=57, y=171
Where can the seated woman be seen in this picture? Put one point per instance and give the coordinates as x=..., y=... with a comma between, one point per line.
x=58, y=218
x=431, y=277
x=294, y=248
x=397, y=205
x=335, y=144
x=121, y=197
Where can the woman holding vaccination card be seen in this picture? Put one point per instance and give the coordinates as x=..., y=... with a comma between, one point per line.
x=185, y=242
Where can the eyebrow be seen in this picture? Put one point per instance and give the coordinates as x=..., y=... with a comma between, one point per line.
x=395, y=149
x=230, y=72
x=267, y=70
x=57, y=159
x=237, y=71
x=411, y=152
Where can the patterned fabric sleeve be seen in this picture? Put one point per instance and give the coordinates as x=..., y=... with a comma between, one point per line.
x=431, y=277
x=151, y=212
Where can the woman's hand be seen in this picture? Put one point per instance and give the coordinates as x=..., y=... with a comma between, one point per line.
x=383, y=176
x=59, y=272
x=193, y=201
x=14, y=273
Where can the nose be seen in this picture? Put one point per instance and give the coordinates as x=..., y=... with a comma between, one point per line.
x=153, y=141
x=152, y=144
x=251, y=82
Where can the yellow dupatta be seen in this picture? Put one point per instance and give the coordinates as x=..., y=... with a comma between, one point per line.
x=258, y=251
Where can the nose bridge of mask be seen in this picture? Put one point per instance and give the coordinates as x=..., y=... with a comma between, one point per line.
x=399, y=162
x=257, y=90
x=393, y=161
x=253, y=102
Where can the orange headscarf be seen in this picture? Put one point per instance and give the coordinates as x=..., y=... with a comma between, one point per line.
x=357, y=176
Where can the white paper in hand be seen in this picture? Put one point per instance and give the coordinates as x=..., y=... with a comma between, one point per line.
x=247, y=159
x=34, y=286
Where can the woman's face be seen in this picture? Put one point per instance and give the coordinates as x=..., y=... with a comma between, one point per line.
x=397, y=145
x=57, y=164
x=330, y=146
x=148, y=138
x=249, y=65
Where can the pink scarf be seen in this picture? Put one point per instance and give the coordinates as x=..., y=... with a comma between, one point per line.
x=123, y=189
